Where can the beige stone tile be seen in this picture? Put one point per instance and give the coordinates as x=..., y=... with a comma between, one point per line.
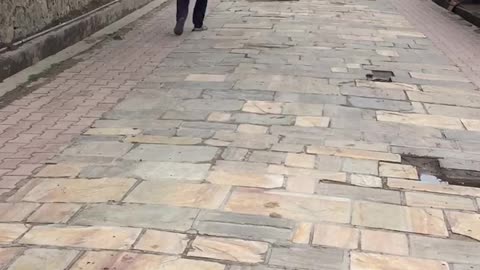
x=300, y=160
x=336, y=236
x=389, y=85
x=399, y=218
x=302, y=233
x=301, y=84
x=54, y=213
x=165, y=242
x=11, y=231
x=7, y=255
x=361, y=145
x=78, y=190
x=438, y=188
x=60, y=170
x=424, y=199
x=426, y=120
x=369, y=261
x=235, y=250
x=294, y=206
x=113, y=131
x=398, y=171
x=312, y=121
x=219, y=117
x=301, y=184
x=353, y=153
x=151, y=139
x=252, y=129
x=467, y=224
x=214, y=142
x=206, y=78
x=208, y=196
x=365, y=180
x=339, y=69
x=43, y=259
x=471, y=124
x=16, y=211
x=388, y=53
x=245, y=179
x=103, y=260
x=332, y=176
x=354, y=65
x=262, y=107
x=85, y=237
x=401, y=33
x=384, y=242
x=439, y=77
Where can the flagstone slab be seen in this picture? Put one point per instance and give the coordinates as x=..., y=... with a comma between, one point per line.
x=245, y=179
x=302, y=233
x=54, y=213
x=16, y=211
x=336, y=236
x=11, y=231
x=455, y=251
x=42, y=259
x=60, y=170
x=300, y=160
x=77, y=190
x=384, y=242
x=290, y=206
x=7, y=255
x=85, y=237
x=103, y=260
x=172, y=153
x=467, y=224
x=426, y=120
x=442, y=188
x=152, y=139
x=262, y=107
x=353, y=153
x=319, y=174
x=369, y=261
x=399, y=218
x=358, y=193
x=158, y=171
x=229, y=249
x=308, y=258
x=112, y=131
x=424, y=199
x=136, y=215
x=208, y=196
x=312, y=121
x=165, y=242
x=398, y=171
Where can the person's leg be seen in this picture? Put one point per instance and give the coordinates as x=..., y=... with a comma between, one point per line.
x=182, y=13
x=199, y=13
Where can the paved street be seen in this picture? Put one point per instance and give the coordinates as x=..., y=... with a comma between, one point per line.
x=257, y=145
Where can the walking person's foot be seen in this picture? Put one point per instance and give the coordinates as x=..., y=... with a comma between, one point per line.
x=199, y=29
x=178, y=30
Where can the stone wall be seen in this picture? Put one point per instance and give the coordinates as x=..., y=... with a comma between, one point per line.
x=22, y=18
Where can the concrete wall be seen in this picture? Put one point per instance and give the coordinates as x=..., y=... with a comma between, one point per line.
x=22, y=18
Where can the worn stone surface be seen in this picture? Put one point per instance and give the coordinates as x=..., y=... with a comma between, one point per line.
x=467, y=224
x=165, y=242
x=11, y=231
x=456, y=251
x=245, y=179
x=336, y=236
x=229, y=249
x=8, y=254
x=365, y=180
x=172, y=153
x=398, y=171
x=16, y=211
x=399, y=218
x=368, y=261
x=421, y=199
x=353, y=153
x=384, y=242
x=308, y=258
x=358, y=193
x=54, y=213
x=38, y=259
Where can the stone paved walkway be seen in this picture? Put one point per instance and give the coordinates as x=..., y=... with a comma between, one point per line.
x=257, y=145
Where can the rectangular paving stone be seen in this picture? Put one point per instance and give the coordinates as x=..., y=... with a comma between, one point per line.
x=467, y=224
x=112, y=131
x=446, y=98
x=369, y=261
x=303, y=109
x=300, y=160
x=301, y=184
x=424, y=199
x=159, y=171
x=235, y=250
x=85, y=237
x=384, y=242
x=135, y=215
x=310, y=98
x=308, y=258
x=362, y=145
x=321, y=175
x=262, y=107
x=239, y=94
x=380, y=104
x=208, y=196
x=172, y=153
x=450, y=250
x=54, y=213
x=439, y=77
x=263, y=119
x=329, y=163
x=149, y=139
x=365, y=180
x=209, y=104
x=41, y=259
x=60, y=170
x=293, y=206
x=95, y=260
x=97, y=149
x=336, y=236
x=427, y=120
x=16, y=211
x=353, y=153
x=76, y=190
x=398, y=171
x=267, y=157
x=390, y=85
x=252, y=129
x=312, y=121
x=358, y=193
x=186, y=115
x=165, y=242
x=11, y=231
x=420, y=186
x=245, y=179
x=471, y=124
x=399, y=218
x=360, y=166
x=243, y=226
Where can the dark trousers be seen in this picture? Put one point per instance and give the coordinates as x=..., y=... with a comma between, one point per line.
x=198, y=11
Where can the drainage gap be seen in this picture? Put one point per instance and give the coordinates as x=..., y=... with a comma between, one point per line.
x=381, y=76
